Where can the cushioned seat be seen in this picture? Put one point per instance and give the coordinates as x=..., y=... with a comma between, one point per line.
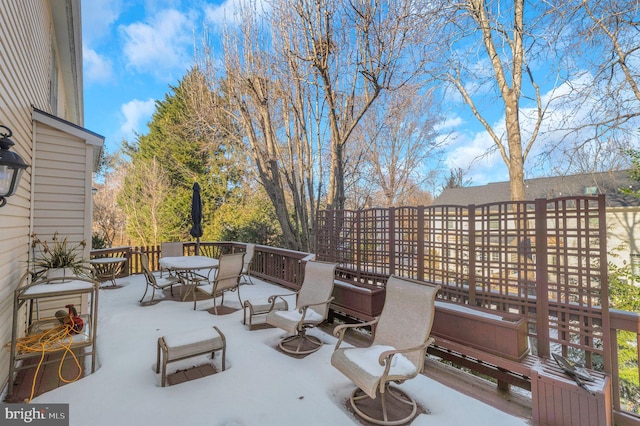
x=312, y=308
x=188, y=344
x=401, y=338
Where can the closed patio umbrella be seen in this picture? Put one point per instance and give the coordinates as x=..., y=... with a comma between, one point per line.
x=196, y=215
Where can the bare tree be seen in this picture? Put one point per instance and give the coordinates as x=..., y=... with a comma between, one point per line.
x=401, y=139
x=486, y=48
x=456, y=179
x=296, y=81
x=145, y=190
x=108, y=217
x=261, y=101
x=356, y=49
x=604, y=99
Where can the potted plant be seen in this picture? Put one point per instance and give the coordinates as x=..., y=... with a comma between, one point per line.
x=58, y=258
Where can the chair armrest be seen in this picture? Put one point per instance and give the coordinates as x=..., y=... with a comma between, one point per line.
x=303, y=308
x=303, y=311
x=386, y=356
x=340, y=331
x=272, y=301
x=272, y=298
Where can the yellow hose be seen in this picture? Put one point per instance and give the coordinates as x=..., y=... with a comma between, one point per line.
x=46, y=342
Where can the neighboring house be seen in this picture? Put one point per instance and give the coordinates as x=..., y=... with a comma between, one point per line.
x=622, y=211
x=41, y=101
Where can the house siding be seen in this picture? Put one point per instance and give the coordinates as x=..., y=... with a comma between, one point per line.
x=34, y=34
x=622, y=228
x=61, y=173
x=25, y=41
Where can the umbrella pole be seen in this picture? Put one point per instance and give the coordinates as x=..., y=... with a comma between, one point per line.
x=198, y=246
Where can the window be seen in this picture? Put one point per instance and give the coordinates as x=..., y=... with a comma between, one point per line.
x=591, y=190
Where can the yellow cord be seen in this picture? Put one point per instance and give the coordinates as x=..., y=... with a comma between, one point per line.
x=45, y=342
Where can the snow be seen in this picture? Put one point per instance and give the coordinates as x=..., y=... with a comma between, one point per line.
x=368, y=359
x=295, y=315
x=469, y=311
x=260, y=386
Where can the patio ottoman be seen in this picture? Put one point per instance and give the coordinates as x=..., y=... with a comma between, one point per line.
x=256, y=310
x=178, y=346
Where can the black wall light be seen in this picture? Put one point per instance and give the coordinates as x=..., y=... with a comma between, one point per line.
x=11, y=167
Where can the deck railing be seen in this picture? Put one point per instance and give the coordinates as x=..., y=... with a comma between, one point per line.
x=626, y=393
x=285, y=267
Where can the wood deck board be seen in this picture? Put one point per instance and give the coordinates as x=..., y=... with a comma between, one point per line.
x=48, y=376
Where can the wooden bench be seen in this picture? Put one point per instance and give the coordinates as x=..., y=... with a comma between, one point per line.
x=188, y=344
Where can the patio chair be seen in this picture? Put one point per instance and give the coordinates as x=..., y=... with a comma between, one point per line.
x=397, y=353
x=312, y=308
x=227, y=278
x=248, y=258
x=154, y=282
x=171, y=250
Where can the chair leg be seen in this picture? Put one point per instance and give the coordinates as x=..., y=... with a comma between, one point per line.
x=400, y=409
x=239, y=299
x=145, y=293
x=300, y=344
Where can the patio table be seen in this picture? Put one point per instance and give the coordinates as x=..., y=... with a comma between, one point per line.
x=187, y=268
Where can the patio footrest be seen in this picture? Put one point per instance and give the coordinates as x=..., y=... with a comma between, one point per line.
x=255, y=310
x=188, y=344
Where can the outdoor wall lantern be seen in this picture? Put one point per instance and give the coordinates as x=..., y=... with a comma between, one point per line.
x=11, y=166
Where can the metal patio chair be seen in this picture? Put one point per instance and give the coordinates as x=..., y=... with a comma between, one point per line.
x=397, y=353
x=312, y=308
x=154, y=282
x=227, y=278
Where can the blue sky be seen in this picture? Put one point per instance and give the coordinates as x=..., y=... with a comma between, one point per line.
x=135, y=49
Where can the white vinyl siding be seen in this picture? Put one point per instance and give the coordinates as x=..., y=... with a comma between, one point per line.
x=31, y=33
x=25, y=43
x=60, y=179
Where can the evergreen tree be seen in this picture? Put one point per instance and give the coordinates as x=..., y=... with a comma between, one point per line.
x=187, y=147
x=186, y=151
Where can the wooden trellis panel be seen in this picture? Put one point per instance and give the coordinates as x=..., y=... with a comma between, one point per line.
x=542, y=259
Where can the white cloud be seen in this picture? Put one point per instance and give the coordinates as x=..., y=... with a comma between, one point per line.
x=229, y=11
x=224, y=13
x=97, y=17
x=97, y=68
x=137, y=114
x=475, y=154
x=160, y=46
x=448, y=123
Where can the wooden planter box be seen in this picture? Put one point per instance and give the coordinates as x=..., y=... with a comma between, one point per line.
x=361, y=301
x=497, y=333
x=558, y=401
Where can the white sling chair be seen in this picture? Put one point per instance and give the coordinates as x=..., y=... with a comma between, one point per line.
x=227, y=279
x=312, y=308
x=397, y=353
